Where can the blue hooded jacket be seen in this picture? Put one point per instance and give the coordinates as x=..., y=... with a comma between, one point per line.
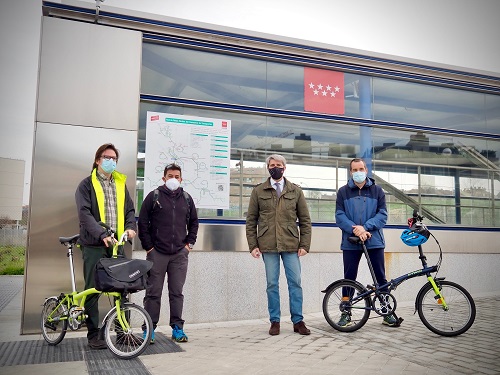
x=365, y=206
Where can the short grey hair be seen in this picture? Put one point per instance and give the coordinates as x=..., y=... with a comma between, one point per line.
x=277, y=158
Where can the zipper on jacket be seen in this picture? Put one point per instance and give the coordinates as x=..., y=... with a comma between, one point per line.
x=173, y=226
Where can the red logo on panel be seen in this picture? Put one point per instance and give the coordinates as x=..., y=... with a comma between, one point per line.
x=323, y=91
x=224, y=124
x=155, y=118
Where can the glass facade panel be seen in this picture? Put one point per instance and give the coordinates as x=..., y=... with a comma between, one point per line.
x=422, y=104
x=492, y=114
x=183, y=73
x=430, y=148
x=318, y=160
x=453, y=179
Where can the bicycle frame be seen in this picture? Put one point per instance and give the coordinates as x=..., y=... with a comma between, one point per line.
x=126, y=329
x=394, y=283
x=348, y=303
x=77, y=299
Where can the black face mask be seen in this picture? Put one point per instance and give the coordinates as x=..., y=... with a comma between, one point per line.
x=276, y=173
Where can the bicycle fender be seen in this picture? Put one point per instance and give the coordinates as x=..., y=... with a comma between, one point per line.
x=107, y=316
x=342, y=280
x=47, y=298
x=112, y=310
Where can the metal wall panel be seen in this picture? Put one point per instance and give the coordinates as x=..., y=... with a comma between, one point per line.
x=63, y=157
x=88, y=94
x=89, y=75
x=232, y=237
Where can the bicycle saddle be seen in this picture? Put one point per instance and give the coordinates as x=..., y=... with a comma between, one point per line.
x=69, y=240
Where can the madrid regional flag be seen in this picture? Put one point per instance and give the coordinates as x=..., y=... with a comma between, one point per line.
x=323, y=91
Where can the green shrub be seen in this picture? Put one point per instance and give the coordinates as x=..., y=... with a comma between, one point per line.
x=12, y=260
x=11, y=270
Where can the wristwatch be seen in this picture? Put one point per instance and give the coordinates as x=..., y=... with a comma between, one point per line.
x=190, y=245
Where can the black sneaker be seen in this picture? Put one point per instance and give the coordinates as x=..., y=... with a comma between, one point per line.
x=391, y=321
x=345, y=320
x=96, y=343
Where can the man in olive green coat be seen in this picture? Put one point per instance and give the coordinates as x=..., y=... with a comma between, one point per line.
x=271, y=229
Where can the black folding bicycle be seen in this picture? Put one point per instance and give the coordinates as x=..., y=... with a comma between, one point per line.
x=444, y=307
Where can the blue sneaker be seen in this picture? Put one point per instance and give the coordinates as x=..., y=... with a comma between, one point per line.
x=178, y=334
x=152, y=336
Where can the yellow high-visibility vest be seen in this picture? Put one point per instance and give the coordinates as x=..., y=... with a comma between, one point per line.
x=120, y=180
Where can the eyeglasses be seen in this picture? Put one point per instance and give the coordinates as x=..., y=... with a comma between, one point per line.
x=106, y=157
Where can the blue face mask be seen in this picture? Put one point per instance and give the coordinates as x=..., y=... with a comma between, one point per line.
x=108, y=166
x=359, y=177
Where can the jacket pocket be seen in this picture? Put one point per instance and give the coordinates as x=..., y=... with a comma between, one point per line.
x=262, y=231
x=290, y=201
x=265, y=203
x=294, y=231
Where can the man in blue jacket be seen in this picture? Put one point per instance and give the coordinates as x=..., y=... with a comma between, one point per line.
x=361, y=211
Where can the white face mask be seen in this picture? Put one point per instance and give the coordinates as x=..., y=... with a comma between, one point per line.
x=172, y=184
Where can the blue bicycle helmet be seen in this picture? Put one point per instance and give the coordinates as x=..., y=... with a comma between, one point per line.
x=416, y=235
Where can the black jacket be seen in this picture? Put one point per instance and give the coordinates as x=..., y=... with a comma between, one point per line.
x=91, y=233
x=165, y=225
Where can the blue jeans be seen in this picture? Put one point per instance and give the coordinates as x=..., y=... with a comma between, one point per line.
x=291, y=264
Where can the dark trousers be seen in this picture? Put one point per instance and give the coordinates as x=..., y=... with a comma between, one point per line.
x=91, y=256
x=353, y=257
x=175, y=267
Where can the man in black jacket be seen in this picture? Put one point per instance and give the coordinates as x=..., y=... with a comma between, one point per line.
x=103, y=196
x=168, y=227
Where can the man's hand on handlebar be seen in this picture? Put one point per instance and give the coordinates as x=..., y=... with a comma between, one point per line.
x=131, y=233
x=365, y=236
x=109, y=241
x=359, y=231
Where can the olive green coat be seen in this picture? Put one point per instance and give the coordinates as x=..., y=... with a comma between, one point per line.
x=272, y=223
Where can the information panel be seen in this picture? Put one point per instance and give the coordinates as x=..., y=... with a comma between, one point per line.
x=200, y=146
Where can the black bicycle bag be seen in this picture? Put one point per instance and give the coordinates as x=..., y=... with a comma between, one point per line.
x=121, y=275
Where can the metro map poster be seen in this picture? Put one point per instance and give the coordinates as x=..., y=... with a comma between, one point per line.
x=200, y=146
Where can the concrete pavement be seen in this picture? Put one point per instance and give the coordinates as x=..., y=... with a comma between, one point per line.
x=244, y=347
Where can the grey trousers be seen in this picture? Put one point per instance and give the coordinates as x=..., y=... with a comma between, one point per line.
x=174, y=267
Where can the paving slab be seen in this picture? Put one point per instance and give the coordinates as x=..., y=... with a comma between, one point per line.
x=245, y=347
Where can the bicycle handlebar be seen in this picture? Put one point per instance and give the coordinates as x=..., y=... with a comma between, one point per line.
x=417, y=216
x=111, y=232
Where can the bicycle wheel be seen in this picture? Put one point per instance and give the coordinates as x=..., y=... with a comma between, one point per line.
x=350, y=315
x=455, y=320
x=128, y=343
x=53, y=322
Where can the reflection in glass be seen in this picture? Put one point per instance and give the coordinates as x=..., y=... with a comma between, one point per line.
x=416, y=103
x=451, y=179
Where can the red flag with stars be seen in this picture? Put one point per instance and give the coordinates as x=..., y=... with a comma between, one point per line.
x=323, y=91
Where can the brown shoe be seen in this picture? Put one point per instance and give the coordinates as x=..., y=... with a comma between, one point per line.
x=301, y=328
x=275, y=328
x=96, y=343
